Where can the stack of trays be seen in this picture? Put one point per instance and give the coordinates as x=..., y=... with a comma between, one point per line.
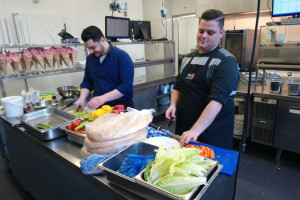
x=142, y=188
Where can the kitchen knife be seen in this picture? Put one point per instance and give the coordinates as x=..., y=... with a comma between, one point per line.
x=170, y=122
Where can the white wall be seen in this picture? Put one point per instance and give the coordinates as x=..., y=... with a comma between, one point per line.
x=152, y=13
x=231, y=6
x=77, y=15
x=181, y=7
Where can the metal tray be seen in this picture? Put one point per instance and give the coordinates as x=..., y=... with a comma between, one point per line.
x=54, y=117
x=73, y=136
x=137, y=185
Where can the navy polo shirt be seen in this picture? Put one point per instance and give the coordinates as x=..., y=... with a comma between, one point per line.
x=116, y=71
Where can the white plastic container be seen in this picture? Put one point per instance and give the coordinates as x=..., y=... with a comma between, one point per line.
x=13, y=106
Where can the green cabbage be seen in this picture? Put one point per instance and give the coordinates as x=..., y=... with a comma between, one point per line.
x=178, y=170
x=179, y=185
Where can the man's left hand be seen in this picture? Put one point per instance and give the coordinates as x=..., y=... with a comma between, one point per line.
x=187, y=136
x=95, y=102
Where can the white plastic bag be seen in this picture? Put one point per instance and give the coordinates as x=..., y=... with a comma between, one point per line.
x=108, y=128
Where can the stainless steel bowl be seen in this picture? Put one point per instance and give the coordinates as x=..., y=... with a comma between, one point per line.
x=45, y=104
x=66, y=91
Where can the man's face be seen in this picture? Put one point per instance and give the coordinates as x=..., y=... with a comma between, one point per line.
x=95, y=48
x=208, y=35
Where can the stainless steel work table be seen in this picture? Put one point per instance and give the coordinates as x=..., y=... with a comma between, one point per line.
x=50, y=170
x=265, y=92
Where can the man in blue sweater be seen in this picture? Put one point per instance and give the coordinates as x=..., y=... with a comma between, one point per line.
x=109, y=72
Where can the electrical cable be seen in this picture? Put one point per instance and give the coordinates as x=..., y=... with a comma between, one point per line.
x=270, y=10
x=165, y=26
x=244, y=137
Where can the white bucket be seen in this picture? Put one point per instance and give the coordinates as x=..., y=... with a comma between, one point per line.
x=13, y=106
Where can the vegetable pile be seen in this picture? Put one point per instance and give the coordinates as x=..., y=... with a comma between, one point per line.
x=205, y=151
x=117, y=109
x=178, y=170
x=83, y=114
x=77, y=126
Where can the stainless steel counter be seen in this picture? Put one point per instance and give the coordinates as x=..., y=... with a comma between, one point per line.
x=265, y=92
x=34, y=162
x=50, y=170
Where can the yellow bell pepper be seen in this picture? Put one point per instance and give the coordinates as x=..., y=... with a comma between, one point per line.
x=107, y=108
x=98, y=113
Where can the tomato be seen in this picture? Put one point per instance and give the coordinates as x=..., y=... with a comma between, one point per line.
x=116, y=111
x=69, y=127
x=74, y=124
x=80, y=131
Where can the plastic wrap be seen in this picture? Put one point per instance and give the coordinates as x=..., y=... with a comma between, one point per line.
x=110, y=128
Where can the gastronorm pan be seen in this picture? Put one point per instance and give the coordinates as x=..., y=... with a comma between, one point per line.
x=137, y=185
x=73, y=136
x=54, y=117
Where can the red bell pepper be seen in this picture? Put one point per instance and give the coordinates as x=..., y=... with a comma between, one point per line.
x=120, y=108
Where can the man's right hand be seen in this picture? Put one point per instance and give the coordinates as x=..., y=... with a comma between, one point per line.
x=79, y=104
x=171, y=113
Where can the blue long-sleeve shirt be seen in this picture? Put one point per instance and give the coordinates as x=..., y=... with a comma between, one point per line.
x=115, y=72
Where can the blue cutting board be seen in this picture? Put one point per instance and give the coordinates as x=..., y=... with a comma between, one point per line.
x=225, y=157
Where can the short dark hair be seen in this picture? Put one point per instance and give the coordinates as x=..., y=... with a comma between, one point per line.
x=91, y=32
x=213, y=15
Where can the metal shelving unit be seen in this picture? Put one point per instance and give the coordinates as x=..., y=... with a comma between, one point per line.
x=21, y=46
x=151, y=80
x=154, y=62
x=41, y=74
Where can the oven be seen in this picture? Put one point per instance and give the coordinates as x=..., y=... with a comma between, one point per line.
x=240, y=44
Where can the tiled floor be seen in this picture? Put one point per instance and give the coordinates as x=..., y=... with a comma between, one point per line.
x=259, y=177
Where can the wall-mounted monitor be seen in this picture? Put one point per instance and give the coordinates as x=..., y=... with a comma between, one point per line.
x=141, y=30
x=285, y=7
x=116, y=28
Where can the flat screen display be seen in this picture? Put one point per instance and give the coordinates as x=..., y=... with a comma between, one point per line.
x=285, y=7
x=116, y=27
x=138, y=26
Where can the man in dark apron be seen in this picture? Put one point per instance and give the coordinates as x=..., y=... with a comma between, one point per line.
x=202, y=99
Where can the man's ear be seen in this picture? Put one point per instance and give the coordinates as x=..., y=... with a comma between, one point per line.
x=222, y=32
x=102, y=39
